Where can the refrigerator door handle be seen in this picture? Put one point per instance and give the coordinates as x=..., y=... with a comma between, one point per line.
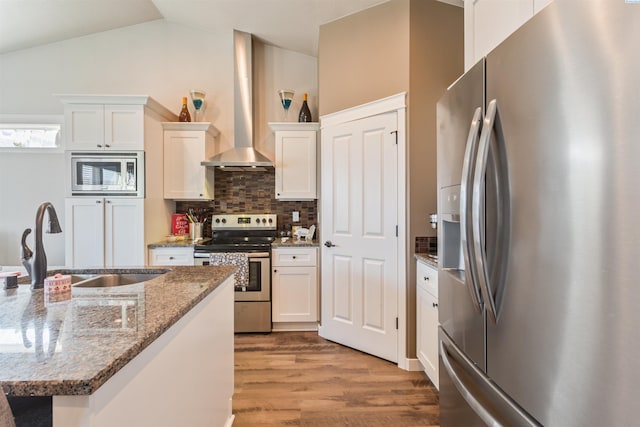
x=477, y=212
x=466, y=229
x=476, y=388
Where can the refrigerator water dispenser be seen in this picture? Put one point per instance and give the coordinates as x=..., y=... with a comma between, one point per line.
x=452, y=258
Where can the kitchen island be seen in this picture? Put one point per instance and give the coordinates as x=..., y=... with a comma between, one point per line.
x=155, y=353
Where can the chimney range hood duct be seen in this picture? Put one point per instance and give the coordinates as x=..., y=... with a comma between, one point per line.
x=242, y=156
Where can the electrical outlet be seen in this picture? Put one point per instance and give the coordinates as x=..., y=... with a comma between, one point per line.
x=296, y=216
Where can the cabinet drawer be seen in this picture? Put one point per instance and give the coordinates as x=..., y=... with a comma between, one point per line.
x=427, y=277
x=302, y=257
x=171, y=256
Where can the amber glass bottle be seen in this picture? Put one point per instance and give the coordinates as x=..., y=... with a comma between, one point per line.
x=184, y=113
x=305, y=114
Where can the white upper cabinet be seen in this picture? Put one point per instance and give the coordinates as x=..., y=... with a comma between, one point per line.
x=296, y=145
x=185, y=146
x=107, y=122
x=488, y=22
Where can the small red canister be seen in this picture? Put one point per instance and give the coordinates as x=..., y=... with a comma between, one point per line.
x=179, y=225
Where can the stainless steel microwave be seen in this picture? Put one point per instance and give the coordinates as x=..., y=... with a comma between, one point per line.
x=106, y=173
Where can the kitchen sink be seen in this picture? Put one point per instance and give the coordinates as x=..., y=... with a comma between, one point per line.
x=110, y=280
x=75, y=278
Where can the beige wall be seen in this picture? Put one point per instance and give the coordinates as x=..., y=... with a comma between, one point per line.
x=364, y=57
x=436, y=60
x=402, y=45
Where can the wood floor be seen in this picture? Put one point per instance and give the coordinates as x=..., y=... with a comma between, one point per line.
x=300, y=379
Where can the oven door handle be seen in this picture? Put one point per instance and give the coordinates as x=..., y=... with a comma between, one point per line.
x=258, y=254
x=249, y=254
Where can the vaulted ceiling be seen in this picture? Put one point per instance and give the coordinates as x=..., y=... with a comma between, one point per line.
x=290, y=24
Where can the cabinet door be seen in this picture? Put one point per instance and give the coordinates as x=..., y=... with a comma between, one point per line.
x=84, y=225
x=294, y=294
x=124, y=127
x=84, y=126
x=427, y=333
x=184, y=177
x=489, y=22
x=296, y=165
x=124, y=233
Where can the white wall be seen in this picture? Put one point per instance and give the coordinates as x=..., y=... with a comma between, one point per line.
x=158, y=58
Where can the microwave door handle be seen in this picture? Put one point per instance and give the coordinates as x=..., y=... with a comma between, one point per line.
x=466, y=233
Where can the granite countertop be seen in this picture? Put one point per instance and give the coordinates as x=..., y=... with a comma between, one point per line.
x=72, y=347
x=177, y=243
x=428, y=259
x=293, y=243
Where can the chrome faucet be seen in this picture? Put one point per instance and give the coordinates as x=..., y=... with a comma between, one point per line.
x=36, y=264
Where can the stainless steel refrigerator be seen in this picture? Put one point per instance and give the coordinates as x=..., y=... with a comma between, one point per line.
x=539, y=225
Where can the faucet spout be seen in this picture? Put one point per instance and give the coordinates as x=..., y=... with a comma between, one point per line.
x=25, y=253
x=36, y=263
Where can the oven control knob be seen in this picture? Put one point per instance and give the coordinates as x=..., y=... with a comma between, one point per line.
x=270, y=220
x=257, y=220
x=264, y=220
x=217, y=220
x=224, y=220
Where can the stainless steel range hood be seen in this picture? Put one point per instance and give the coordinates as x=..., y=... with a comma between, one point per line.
x=242, y=155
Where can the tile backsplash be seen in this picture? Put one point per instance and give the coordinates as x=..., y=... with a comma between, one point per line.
x=426, y=245
x=252, y=192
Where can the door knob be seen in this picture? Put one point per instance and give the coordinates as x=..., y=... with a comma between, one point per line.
x=328, y=244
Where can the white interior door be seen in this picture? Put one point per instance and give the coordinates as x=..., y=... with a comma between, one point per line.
x=359, y=227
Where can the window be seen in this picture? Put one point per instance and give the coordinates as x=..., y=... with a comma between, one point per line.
x=29, y=135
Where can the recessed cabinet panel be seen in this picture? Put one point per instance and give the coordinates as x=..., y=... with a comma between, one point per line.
x=294, y=294
x=185, y=146
x=84, y=228
x=84, y=126
x=124, y=127
x=124, y=232
x=295, y=163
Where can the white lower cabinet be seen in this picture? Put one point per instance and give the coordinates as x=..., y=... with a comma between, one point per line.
x=427, y=319
x=294, y=289
x=104, y=232
x=171, y=256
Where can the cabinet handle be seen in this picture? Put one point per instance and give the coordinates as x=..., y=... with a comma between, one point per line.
x=98, y=201
x=275, y=271
x=108, y=201
x=435, y=304
x=171, y=257
x=425, y=278
x=294, y=257
x=107, y=145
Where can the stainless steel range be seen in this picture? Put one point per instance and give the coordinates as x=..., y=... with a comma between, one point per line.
x=251, y=234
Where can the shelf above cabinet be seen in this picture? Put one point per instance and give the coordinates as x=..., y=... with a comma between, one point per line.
x=194, y=126
x=278, y=126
